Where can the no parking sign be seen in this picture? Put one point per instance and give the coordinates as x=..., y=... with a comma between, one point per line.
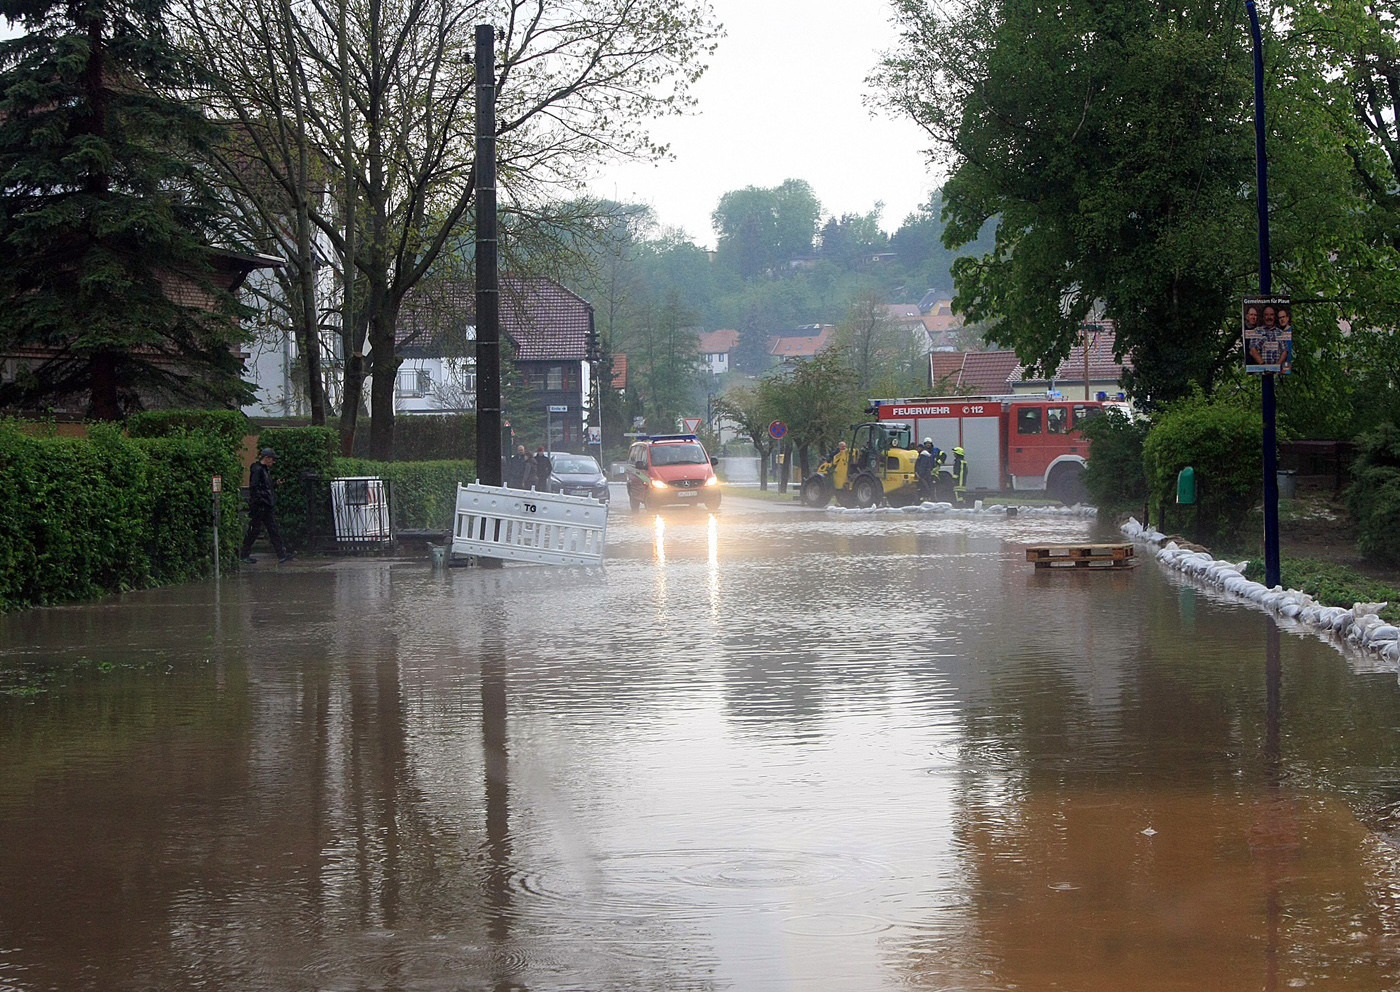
x=777, y=429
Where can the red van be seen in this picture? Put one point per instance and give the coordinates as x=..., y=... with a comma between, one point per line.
x=671, y=470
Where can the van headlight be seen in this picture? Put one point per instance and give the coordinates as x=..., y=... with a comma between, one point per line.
x=658, y=484
x=712, y=481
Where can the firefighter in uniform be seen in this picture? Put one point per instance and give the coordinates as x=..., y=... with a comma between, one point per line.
x=959, y=475
x=923, y=469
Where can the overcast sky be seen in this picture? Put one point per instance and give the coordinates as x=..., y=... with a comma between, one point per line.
x=783, y=100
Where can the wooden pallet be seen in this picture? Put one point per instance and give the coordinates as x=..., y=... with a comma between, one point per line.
x=1081, y=555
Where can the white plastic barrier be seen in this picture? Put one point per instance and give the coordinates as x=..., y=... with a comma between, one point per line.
x=360, y=506
x=525, y=525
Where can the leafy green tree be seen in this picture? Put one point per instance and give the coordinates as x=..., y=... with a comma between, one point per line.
x=107, y=219
x=1374, y=495
x=387, y=108
x=1343, y=59
x=761, y=230
x=818, y=401
x=918, y=245
x=1114, y=475
x=1113, y=142
x=751, y=407
x=850, y=239
x=664, y=365
x=1335, y=83
x=883, y=357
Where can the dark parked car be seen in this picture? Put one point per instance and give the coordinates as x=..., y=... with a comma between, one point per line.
x=578, y=475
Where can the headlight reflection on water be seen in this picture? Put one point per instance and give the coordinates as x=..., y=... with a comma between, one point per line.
x=712, y=540
x=659, y=539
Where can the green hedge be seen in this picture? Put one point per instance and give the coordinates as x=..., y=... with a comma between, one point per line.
x=1220, y=439
x=231, y=425
x=423, y=495
x=107, y=513
x=1332, y=585
x=304, y=455
x=1374, y=495
x=1114, y=475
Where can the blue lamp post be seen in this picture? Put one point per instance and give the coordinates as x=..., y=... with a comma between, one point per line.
x=1266, y=279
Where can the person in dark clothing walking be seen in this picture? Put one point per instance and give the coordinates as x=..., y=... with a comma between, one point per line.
x=262, y=499
x=522, y=469
x=544, y=468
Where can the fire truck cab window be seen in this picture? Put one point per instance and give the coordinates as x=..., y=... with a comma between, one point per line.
x=1028, y=420
x=1083, y=413
x=1056, y=420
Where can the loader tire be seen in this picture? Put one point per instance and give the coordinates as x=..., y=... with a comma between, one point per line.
x=816, y=492
x=867, y=491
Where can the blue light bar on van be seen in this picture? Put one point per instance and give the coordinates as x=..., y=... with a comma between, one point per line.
x=668, y=437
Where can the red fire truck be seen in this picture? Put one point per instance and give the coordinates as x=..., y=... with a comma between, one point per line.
x=1012, y=443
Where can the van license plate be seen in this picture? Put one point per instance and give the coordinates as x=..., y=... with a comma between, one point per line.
x=691, y=492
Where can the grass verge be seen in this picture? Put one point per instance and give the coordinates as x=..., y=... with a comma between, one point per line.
x=1331, y=584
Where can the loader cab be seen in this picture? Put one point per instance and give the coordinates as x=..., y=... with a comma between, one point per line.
x=871, y=444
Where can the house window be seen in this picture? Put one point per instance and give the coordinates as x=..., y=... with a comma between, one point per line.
x=554, y=378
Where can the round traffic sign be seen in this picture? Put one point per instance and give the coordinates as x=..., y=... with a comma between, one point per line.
x=777, y=429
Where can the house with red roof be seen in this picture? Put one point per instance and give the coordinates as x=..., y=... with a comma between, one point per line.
x=714, y=349
x=802, y=342
x=552, y=331
x=999, y=373
x=1104, y=372
x=972, y=373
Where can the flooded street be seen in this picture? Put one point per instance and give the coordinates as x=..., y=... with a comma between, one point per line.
x=772, y=749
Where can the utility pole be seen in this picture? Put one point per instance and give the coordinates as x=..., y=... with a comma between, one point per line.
x=1085, y=328
x=488, y=295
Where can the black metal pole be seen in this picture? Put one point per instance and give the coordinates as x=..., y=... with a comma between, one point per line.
x=1266, y=288
x=488, y=295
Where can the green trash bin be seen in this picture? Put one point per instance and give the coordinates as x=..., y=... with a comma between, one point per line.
x=1186, y=485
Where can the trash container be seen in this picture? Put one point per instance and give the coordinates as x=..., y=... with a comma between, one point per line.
x=360, y=506
x=1186, y=486
x=1287, y=483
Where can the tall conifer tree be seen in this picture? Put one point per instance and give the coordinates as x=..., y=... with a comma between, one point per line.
x=106, y=218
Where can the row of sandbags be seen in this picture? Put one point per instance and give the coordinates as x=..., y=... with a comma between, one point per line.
x=977, y=508
x=1361, y=625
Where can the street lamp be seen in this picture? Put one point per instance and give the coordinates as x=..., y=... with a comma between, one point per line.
x=1266, y=279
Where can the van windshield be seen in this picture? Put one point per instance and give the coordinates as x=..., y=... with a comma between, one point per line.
x=678, y=454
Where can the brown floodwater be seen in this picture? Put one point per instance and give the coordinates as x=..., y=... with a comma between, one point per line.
x=759, y=751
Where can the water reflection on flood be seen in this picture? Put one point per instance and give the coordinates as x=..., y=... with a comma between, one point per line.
x=755, y=751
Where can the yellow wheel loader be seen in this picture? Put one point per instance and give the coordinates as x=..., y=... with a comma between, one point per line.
x=876, y=466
